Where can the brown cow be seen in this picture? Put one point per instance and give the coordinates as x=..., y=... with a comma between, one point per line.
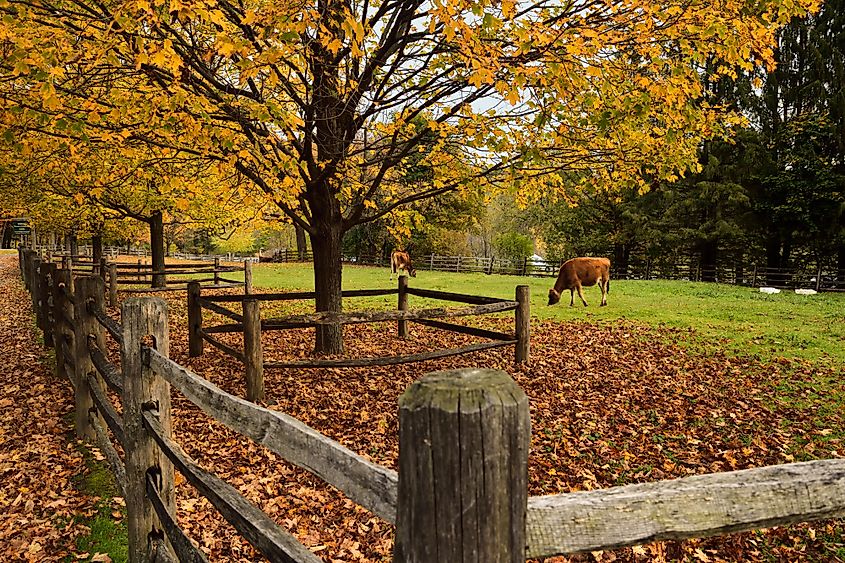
x=582, y=272
x=401, y=260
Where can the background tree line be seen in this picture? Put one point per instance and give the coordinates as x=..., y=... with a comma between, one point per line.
x=773, y=195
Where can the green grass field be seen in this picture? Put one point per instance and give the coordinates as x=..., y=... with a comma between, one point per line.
x=738, y=319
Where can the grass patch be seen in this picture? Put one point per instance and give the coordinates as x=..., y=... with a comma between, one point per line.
x=107, y=526
x=108, y=532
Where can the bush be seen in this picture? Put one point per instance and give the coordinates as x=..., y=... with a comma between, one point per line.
x=513, y=246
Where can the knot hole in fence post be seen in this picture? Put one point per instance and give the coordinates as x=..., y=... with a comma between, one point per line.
x=463, y=468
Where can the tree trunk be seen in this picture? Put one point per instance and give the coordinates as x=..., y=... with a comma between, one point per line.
x=301, y=243
x=709, y=252
x=72, y=244
x=326, y=245
x=7, y=234
x=772, y=256
x=156, y=223
x=840, y=263
x=620, y=260
x=97, y=248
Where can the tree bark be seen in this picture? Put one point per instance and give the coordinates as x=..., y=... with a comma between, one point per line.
x=301, y=243
x=97, y=248
x=621, y=253
x=326, y=244
x=7, y=234
x=156, y=223
x=73, y=244
x=709, y=253
x=840, y=263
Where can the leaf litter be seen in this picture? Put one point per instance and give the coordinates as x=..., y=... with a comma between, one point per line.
x=610, y=405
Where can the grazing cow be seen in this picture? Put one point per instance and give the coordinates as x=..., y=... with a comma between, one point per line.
x=582, y=272
x=401, y=260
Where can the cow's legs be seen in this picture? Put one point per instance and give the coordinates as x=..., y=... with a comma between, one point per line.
x=581, y=294
x=571, y=297
x=603, y=284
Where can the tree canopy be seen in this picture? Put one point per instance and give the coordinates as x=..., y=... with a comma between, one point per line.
x=323, y=105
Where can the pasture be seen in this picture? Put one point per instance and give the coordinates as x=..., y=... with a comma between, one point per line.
x=721, y=317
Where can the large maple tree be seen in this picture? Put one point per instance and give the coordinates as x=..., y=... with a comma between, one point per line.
x=322, y=105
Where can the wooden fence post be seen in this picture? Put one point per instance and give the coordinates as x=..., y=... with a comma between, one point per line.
x=143, y=390
x=403, y=306
x=216, y=273
x=104, y=268
x=253, y=353
x=62, y=333
x=45, y=294
x=819, y=278
x=463, y=468
x=522, y=319
x=754, y=277
x=247, y=277
x=195, y=342
x=33, y=287
x=86, y=289
x=431, y=262
x=112, y=285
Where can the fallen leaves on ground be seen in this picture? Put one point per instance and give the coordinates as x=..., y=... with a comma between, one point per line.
x=39, y=504
x=610, y=405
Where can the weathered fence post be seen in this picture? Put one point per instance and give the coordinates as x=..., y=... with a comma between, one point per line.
x=431, y=262
x=463, y=468
x=112, y=285
x=62, y=333
x=754, y=277
x=819, y=278
x=86, y=289
x=216, y=272
x=247, y=277
x=402, y=326
x=34, y=277
x=253, y=353
x=194, y=320
x=143, y=390
x=48, y=271
x=522, y=319
x=103, y=268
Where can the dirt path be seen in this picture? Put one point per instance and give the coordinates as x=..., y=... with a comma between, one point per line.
x=39, y=504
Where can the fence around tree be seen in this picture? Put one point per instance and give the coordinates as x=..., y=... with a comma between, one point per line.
x=461, y=489
x=249, y=323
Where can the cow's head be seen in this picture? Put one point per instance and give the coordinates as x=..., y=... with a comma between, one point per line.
x=412, y=272
x=554, y=296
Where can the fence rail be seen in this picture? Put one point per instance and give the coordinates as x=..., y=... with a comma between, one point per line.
x=809, y=276
x=251, y=325
x=462, y=482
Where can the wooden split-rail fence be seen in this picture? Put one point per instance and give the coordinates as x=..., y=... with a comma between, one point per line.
x=128, y=276
x=461, y=491
x=251, y=325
